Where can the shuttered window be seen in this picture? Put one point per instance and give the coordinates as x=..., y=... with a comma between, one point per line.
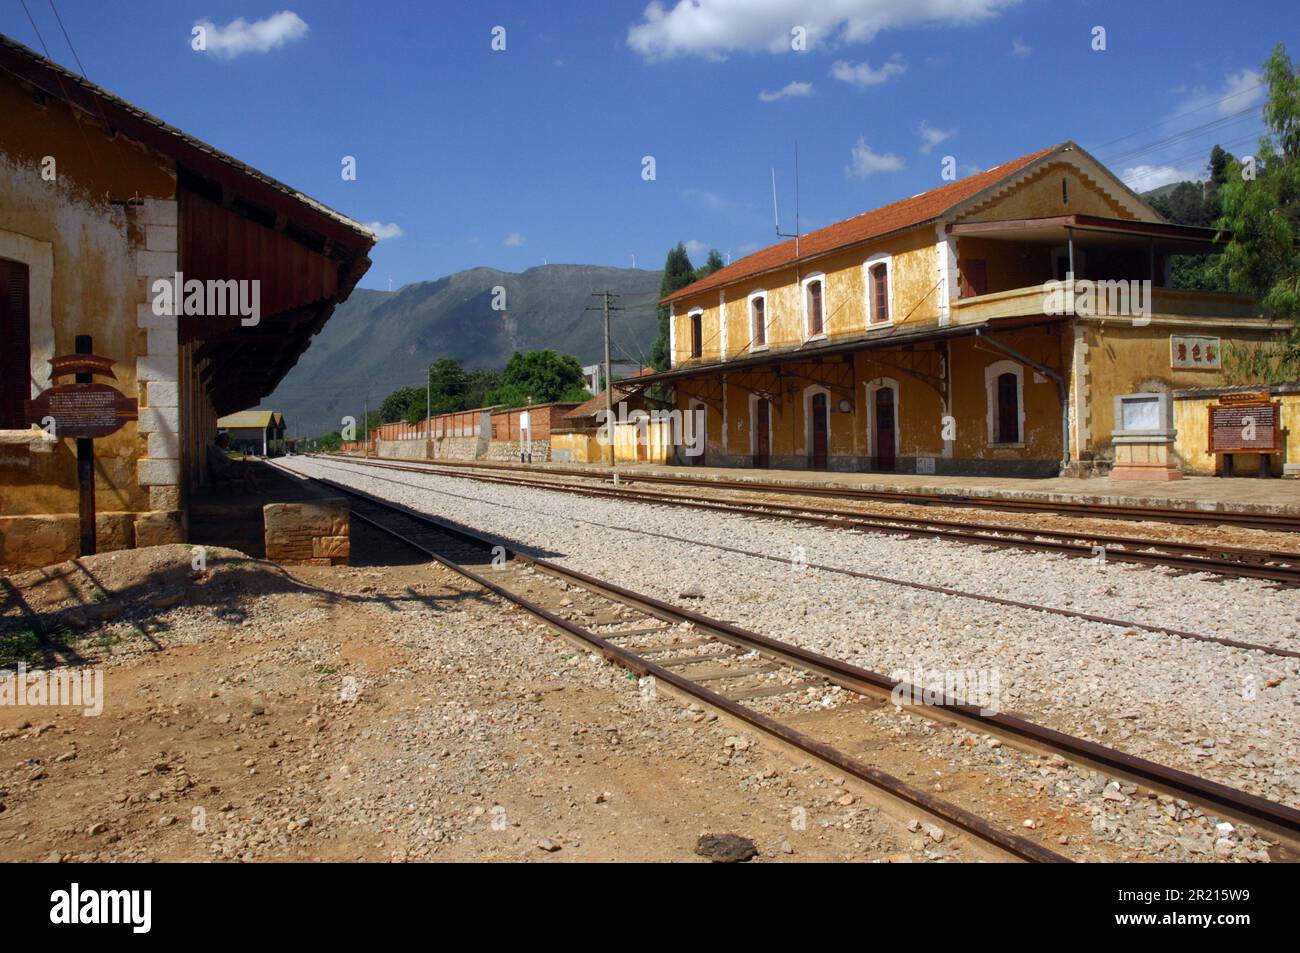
x=15, y=344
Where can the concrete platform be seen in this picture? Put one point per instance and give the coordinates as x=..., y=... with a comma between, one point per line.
x=234, y=517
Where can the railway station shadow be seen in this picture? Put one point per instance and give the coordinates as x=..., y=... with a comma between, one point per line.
x=58, y=618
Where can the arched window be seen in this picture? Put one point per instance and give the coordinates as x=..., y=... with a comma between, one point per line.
x=697, y=333
x=758, y=319
x=1004, y=387
x=16, y=350
x=878, y=277
x=814, y=305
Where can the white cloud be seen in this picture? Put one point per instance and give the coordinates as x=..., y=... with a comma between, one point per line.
x=788, y=90
x=514, y=240
x=866, y=161
x=931, y=137
x=1241, y=90
x=717, y=28
x=1144, y=178
x=697, y=250
x=1020, y=48
x=863, y=75
x=383, y=231
x=261, y=36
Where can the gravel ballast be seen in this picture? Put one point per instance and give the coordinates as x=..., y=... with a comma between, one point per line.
x=1220, y=712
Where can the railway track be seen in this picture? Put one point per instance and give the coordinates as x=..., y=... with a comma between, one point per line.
x=1282, y=523
x=1280, y=568
x=748, y=677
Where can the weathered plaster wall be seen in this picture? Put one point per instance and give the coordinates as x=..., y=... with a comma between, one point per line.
x=97, y=215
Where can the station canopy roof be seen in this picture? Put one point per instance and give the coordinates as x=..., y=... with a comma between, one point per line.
x=235, y=222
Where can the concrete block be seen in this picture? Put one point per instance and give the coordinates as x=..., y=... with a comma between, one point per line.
x=164, y=444
x=160, y=237
x=155, y=264
x=159, y=528
x=303, y=532
x=159, y=420
x=165, y=497
x=157, y=212
x=162, y=341
x=157, y=367
x=30, y=542
x=114, y=531
x=158, y=472
x=145, y=318
x=330, y=547
x=163, y=394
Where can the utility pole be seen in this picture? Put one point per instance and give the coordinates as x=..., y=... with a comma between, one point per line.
x=606, y=307
x=428, y=413
x=365, y=427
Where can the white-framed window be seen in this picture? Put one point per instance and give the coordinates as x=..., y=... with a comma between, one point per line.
x=878, y=280
x=1004, y=393
x=758, y=320
x=814, y=306
x=696, y=318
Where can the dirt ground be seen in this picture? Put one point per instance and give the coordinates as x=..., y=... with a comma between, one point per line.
x=383, y=712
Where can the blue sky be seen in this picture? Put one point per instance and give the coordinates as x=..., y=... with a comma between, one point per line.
x=534, y=154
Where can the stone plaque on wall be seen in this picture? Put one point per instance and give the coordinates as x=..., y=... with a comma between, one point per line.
x=1194, y=352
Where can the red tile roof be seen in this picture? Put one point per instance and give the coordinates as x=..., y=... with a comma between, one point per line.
x=903, y=214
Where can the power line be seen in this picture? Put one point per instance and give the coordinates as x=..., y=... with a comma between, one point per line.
x=1188, y=112
x=69, y=41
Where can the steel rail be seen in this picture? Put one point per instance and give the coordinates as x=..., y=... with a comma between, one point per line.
x=942, y=590
x=1176, y=555
x=1277, y=817
x=1013, y=844
x=1277, y=522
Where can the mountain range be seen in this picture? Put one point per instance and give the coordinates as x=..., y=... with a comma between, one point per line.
x=378, y=341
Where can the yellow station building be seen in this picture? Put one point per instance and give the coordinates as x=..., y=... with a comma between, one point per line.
x=943, y=333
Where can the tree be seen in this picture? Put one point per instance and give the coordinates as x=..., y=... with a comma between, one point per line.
x=330, y=441
x=1262, y=211
x=539, y=377
x=1199, y=204
x=397, y=404
x=678, y=273
x=712, y=264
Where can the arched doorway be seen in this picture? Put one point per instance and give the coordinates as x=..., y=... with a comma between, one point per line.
x=885, y=423
x=819, y=425
x=762, y=433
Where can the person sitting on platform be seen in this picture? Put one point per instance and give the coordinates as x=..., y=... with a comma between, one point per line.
x=223, y=467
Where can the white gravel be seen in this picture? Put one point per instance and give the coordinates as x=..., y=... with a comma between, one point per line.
x=1220, y=712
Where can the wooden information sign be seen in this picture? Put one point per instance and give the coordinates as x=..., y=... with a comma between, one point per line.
x=1246, y=423
x=83, y=411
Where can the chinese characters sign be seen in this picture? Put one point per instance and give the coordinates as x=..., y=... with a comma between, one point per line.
x=1194, y=352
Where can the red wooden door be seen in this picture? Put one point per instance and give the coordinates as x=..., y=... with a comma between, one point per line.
x=15, y=345
x=885, y=429
x=820, y=431
x=762, y=434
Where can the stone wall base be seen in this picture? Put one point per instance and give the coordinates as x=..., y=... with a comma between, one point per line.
x=30, y=542
x=308, y=534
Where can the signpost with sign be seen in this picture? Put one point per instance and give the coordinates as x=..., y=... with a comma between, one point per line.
x=1246, y=423
x=82, y=410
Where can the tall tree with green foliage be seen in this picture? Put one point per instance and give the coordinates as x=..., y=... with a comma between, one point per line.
x=1261, y=208
x=678, y=273
x=540, y=377
x=1199, y=204
x=398, y=404
x=711, y=264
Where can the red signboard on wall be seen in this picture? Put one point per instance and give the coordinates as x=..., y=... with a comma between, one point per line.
x=1245, y=424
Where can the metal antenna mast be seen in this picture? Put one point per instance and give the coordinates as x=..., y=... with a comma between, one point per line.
x=776, y=210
